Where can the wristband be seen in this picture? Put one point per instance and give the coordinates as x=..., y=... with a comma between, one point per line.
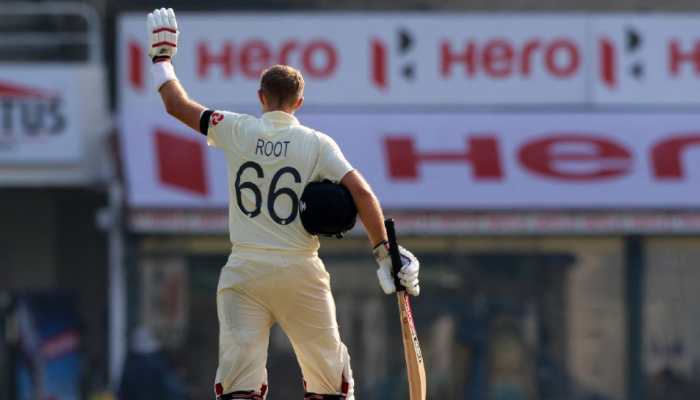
x=162, y=72
x=382, y=243
x=381, y=250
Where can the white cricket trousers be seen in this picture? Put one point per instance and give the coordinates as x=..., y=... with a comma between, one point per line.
x=293, y=291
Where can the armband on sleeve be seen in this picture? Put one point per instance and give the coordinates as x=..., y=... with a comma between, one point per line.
x=204, y=121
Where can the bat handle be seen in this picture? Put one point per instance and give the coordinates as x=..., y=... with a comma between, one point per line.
x=394, y=252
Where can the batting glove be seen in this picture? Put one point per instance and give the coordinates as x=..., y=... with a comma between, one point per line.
x=408, y=274
x=163, y=33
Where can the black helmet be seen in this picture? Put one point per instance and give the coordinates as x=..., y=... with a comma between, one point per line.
x=327, y=208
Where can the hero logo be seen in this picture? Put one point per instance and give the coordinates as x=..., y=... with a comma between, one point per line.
x=622, y=58
x=404, y=45
x=495, y=58
x=28, y=114
x=567, y=156
x=608, y=55
x=500, y=58
x=317, y=58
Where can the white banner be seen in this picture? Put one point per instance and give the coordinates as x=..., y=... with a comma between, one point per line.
x=40, y=115
x=370, y=58
x=430, y=59
x=54, y=123
x=453, y=161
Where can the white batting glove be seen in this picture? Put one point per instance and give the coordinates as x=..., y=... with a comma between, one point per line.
x=408, y=274
x=163, y=33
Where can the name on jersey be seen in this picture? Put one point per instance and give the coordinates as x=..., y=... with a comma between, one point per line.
x=269, y=148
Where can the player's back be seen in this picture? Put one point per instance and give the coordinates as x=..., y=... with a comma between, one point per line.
x=270, y=161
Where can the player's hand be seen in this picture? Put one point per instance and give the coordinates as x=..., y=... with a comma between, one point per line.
x=408, y=274
x=162, y=33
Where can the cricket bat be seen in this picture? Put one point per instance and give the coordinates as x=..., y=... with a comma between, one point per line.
x=417, y=383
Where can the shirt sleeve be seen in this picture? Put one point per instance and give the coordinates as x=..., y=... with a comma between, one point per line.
x=332, y=164
x=220, y=127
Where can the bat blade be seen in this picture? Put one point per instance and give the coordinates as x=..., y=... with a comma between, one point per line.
x=417, y=382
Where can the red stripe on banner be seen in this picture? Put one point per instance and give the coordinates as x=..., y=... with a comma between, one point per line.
x=136, y=65
x=181, y=163
x=159, y=30
x=17, y=91
x=379, y=64
x=607, y=63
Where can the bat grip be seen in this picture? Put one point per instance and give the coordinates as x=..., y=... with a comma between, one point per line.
x=394, y=252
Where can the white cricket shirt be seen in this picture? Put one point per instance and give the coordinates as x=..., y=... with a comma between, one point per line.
x=270, y=161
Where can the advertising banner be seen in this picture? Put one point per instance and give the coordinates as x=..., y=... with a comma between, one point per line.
x=392, y=59
x=366, y=59
x=49, y=355
x=416, y=73
x=454, y=161
x=53, y=122
x=40, y=115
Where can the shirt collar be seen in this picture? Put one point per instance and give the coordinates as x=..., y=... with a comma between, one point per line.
x=280, y=118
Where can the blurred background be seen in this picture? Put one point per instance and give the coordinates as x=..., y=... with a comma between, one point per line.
x=541, y=157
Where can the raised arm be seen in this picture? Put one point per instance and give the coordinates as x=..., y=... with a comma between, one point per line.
x=180, y=106
x=163, y=34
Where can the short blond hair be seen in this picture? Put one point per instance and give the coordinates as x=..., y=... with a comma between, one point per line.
x=282, y=85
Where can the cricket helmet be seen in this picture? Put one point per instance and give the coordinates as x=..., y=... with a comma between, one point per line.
x=327, y=208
